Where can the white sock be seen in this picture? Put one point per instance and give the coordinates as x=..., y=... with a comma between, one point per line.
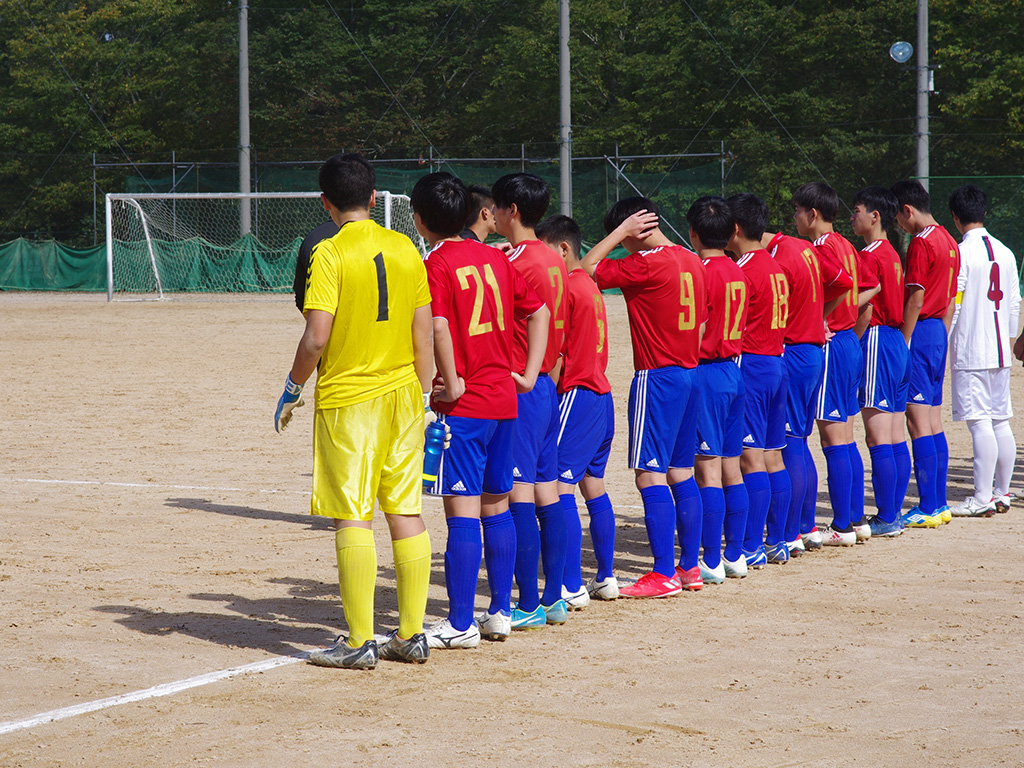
x=986, y=449
x=1007, y=456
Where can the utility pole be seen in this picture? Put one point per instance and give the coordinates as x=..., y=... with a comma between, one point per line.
x=244, y=147
x=923, y=87
x=565, y=128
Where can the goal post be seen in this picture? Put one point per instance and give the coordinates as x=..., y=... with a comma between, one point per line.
x=160, y=244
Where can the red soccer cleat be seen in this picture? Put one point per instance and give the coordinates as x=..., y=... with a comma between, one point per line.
x=690, y=579
x=652, y=584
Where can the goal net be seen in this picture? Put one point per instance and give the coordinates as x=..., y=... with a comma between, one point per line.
x=159, y=244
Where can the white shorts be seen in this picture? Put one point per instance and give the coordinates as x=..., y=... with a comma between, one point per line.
x=983, y=394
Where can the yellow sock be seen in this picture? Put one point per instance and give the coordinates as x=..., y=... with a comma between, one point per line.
x=357, y=579
x=412, y=572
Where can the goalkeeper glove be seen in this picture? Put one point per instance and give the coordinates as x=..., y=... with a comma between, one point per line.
x=290, y=400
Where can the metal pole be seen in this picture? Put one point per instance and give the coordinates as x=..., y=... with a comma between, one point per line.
x=565, y=131
x=723, y=169
x=922, y=93
x=174, y=188
x=95, y=234
x=244, y=147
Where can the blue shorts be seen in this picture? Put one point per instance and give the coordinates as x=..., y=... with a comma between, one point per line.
x=586, y=428
x=720, y=414
x=662, y=419
x=535, y=449
x=904, y=387
x=927, y=362
x=844, y=361
x=764, y=412
x=885, y=363
x=479, y=458
x=805, y=364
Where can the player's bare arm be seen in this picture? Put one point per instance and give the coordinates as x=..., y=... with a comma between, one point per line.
x=536, y=345
x=423, y=346
x=307, y=355
x=912, y=310
x=639, y=227
x=947, y=319
x=452, y=385
x=867, y=295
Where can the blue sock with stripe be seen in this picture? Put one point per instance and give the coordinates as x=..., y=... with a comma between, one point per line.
x=500, y=559
x=602, y=533
x=689, y=521
x=796, y=466
x=810, y=508
x=461, y=568
x=778, y=507
x=941, y=469
x=737, y=505
x=524, y=516
x=883, y=481
x=660, y=520
x=925, y=468
x=901, y=454
x=856, y=484
x=572, y=576
x=759, y=490
x=712, y=499
x=552, y=550
x=840, y=482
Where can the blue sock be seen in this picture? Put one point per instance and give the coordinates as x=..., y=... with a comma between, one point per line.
x=941, y=469
x=689, y=521
x=840, y=482
x=527, y=553
x=552, y=550
x=461, y=568
x=902, y=455
x=778, y=507
x=500, y=559
x=572, y=576
x=602, y=534
x=883, y=481
x=856, y=484
x=660, y=519
x=810, y=509
x=712, y=499
x=759, y=490
x=924, y=472
x=737, y=505
x=796, y=466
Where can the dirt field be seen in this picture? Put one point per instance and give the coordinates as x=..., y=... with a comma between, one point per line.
x=155, y=529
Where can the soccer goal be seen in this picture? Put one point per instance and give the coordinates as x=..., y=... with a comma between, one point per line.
x=160, y=244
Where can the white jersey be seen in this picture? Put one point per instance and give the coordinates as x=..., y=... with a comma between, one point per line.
x=987, y=304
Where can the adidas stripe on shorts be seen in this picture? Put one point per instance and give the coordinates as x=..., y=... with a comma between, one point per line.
x=586, y=426
x=663, y=419
x=720, y=425
x=534, y=447
x=927, y=362
x=844, y=361
x=885, y=363
x=764, y=412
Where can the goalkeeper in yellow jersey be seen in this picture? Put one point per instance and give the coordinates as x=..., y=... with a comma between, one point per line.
x=368, y=321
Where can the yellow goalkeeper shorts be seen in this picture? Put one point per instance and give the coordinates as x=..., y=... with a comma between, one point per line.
x=369, y=451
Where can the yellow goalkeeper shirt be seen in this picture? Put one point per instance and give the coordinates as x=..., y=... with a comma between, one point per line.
x=372, y=280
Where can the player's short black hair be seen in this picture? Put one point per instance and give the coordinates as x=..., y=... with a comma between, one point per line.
x=911, y=192
x=560, y=228
x=528, y=192
x=479, y=198
x=750, y=212
x=880, y=200
x=711, y=218
x=348, y=181
x=820, y=196
x=623, y=209
x=969, y=203
x=442, y=201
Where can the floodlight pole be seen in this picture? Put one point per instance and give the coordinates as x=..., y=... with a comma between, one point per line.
x=244, y=147
x=565, y=129
x=923, y=83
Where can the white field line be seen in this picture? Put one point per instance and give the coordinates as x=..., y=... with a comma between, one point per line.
x=156, y=691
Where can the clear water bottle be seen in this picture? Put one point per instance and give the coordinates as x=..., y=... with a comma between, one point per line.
x=433, y=447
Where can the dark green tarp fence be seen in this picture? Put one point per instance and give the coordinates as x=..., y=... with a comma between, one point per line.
x=50, y=266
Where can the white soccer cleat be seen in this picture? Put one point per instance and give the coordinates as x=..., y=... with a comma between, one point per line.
x=974, y=508
x=578, y=600
x=1002, y=503
x=833, y=537
x=862, y=530
x=441, y=634
x=494, y=626
x=812, y=539
x=606, y=589
x=735, y=569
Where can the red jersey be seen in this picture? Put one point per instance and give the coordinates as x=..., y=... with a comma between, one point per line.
x=812, y=283
x=727, y=309
x=475, y=288
x=933, y=262
x=585, y=354
x=880, y=265
x=840, y=253
x=666, y=302
x=767, y=303
x=545, y=271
